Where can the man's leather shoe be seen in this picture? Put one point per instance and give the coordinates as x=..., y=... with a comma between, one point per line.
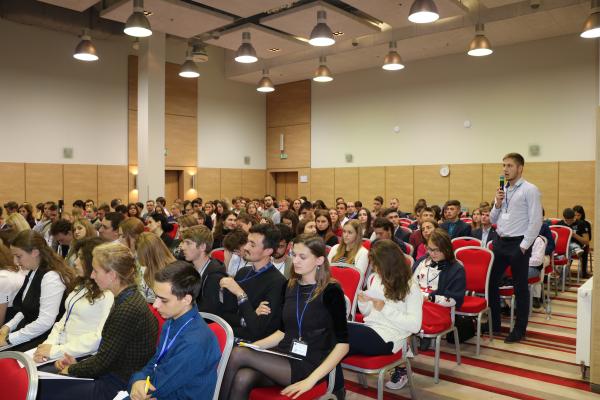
x=514, y=337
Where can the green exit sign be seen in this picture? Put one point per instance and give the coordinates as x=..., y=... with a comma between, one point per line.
x=283, y=156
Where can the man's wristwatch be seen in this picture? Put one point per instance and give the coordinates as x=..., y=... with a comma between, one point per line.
x=242, y=298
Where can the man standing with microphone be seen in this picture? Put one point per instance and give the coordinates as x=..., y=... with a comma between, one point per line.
x=517, y=212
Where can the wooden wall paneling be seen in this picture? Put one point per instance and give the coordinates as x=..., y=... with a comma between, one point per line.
x=322, y=185
x=181, y=141
x=304, y=187
x=398, y=183
x=113, y=182
x=132, y=124
x=371, y=183
x=208, y=183
x=12, y=185
x=80, y=183
x=172, y=186
x=545, y=176
x=132, y=82
x=576, y=185
x=291, y=185
x=289, y=104
x=181, y=94
x=253, y=183
x=280, y=180
x=231, y=183
x=466, y=184
x=43, y=182
x=346, y=184
x=296, y=144
x=491, y=181
x=271, y=182
x=430, y=185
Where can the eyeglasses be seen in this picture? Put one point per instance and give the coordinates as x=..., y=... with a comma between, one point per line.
x=430, y=250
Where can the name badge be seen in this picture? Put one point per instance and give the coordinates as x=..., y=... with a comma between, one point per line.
x=505, y=216
x=299, y=348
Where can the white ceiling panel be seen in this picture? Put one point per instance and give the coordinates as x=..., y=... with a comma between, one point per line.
x=77, y=5
x=245, y=8
x=171, y=16
x=263, y=39
x=498, y=3
x=300, y=21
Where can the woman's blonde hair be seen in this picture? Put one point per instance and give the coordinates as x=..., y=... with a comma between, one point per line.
x=131, y=229
x=116, y=257
x=317, y=247
x=90, y=231
x=153, y=254
x=352, y=251
x=18, y=222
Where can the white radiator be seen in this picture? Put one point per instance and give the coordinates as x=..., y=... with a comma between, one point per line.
x=584, y=323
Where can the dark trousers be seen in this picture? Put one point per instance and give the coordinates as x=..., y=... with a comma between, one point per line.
x=508, y=253
x=105, y=387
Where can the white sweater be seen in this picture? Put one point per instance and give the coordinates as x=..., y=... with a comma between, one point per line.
x=361, y=261
x=83, y=330
x=397, y=320
x=10, y=283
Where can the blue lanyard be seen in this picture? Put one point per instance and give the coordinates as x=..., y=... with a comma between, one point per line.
x=513, y=194
x=168, y=344
x=263, y=269
x=72, y=304
x=300, y=317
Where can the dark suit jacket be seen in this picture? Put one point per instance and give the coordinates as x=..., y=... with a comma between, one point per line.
x=209, y=298
x=461, y=228
x=478, y=234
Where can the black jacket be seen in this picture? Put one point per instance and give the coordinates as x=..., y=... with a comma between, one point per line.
x=452, y=281
x=461, y=228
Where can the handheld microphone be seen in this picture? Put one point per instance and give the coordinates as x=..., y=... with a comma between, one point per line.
x=502, y=182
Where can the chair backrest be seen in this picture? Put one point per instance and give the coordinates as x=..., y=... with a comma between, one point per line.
x=18, y=382
x=218, y=254
x=410, y=250
x=464, y=241
x=327, y=250
x=366, y=243
x=477, y=262
x=562, y=241
x=409, y=260
x=467, y=220
x=160, y=320
x=405, y=221
x=350, y=279
x=554, y=221
x=225, y=337
x=174, y=231
x=406, y=229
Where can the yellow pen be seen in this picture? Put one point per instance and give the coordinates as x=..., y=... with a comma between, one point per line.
x=147, y=385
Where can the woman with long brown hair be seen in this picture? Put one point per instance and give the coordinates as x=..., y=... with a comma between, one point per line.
x=39, y=302
x=324, y=227
x=350, y=250
x=152, y=255
x=314, y=331
x=130, y=231
x=11, y=279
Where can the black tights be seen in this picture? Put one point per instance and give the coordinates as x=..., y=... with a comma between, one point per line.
x=249, y=368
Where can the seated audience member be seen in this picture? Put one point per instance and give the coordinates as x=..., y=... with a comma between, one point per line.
x=83, y=229
x=350, y=250
x=252, y=212
x=384, y=229
x=39, y=301
x=11, y=207
x=162, y=203
x=306, y=211
x=352, y=211
x=158, y=224
x=43, y=227
x=121, y=209
x=185, y=363
x=427, y=227
x=452, y=224
x=245, y=222
x=233, y=257
x=324, y=227
x=290, y=219
x=103, y=209
x=416, y=238
x=78, y=332
x=196, y=245
x=341, y=210
x=11, y=280
x=130, y=231
x=270, y=211
x=580, y=237
x=26, y=210
x=227, y=223
x=109, y=228
x=284, y=205
x=152, y=255
x=307, y=225
x=132, y=211
x=580, y=216
x=319, y=205
x=339, y=200
x=366, y=223
x=296, y=206
x=417, y=216
x=322, y=329
x=128, y=336
x=486, y=232
x=388, y=322
x=176, y=212
x=438, y=212
x=336, y=225
x=281, y=258
x=536, y=264
x=476, y=219
x=377, y=207
x=62, y=234
x=394, y=217
x=255, y=285
x=17, y=221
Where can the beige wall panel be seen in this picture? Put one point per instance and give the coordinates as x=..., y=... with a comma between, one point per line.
x=12, y=184
x=576, y=185
x=280, y=185
x=289, y=104
x=113, y=182
x=181, y=94
x=466, y=184
x=491, y=181
x=132, y=137
x=291, y=185
x=253, y=183
x=346, y=184
x=231, y=183
x=398, y=183
x=132, y=82
x=296, y=143
x=304, y=187
x=271, y=182
x=181, y=140
x=43, y=182
x=430, y=185
x=322, y=185
x=371, y=183
x=80, y=183
x=208, y=182
x=545, y=177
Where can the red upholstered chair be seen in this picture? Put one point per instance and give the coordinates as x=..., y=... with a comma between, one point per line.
x=406, y=229
x=562, y=256
x=351, y=281
x=554, y=221
x=366, y=243
x=327, y=250
x=467, y=220
x=463, y=241
x=551, y=275
x=225, y=337
x=477, y=262
x=367, y=365
x=174, y=231
x=160, y=320
x=359, y=317
x=410, y=250
x=406, y=222
x=437, y=321
x=218, y=254
x=409, y=260
x=17, y=383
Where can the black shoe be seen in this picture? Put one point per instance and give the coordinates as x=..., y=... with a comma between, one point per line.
x=537, y=303
x=514, y=337
x=485, y=328
x=340, y=394
x=505, y=311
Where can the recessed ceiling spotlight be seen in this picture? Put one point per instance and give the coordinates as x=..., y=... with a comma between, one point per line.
x=338, y=33
x=274, y=49
x=148, y=13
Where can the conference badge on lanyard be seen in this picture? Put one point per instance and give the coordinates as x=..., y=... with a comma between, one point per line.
x=299, y=347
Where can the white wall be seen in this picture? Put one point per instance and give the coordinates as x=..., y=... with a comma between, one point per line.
x=49, y=100
x=541, y=92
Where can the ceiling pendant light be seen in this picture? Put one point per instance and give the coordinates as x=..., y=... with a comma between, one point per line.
x=322, y=73
x=392, y=61
x=321, y=34
x=85, y=50
x=189, y=69
x=265, y=85
x=591, y=26
x=245, y=53
x=480, y=46
x=423, y=12
x=137, y=24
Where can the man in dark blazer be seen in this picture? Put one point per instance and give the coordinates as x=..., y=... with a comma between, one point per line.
x=486, y=233
x=452, y=224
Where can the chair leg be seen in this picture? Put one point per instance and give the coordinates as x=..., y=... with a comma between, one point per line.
x=413, y=345
x=362, y=380
x=456, y=345
x=478, y=344
x=411, y=385
x=380, y=381
x=489, y=314
x=436, y=361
